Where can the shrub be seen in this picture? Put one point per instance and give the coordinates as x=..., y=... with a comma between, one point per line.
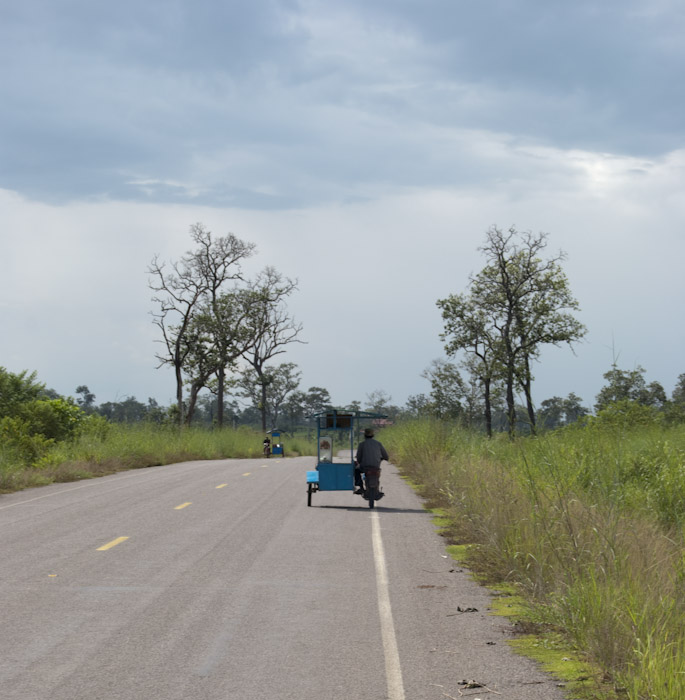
x=20, y=443
x=57, y=419
x=16, y=390
x=626, y=414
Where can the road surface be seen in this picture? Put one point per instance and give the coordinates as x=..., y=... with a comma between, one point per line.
x=213, y=580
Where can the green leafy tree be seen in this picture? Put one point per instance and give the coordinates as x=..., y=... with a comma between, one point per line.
x=468, y=327
x=129, y=410
x=516, y=304
x=269, y=390
x=629, y=385
x=86, y=399
x=301, y=404
x=530, y=298
x=294, y=411
x=418, y=406
x=316, y=400
x=557, y=412
x=678, y=395
x=448, y=390
x=675, y=408
x=574, y=409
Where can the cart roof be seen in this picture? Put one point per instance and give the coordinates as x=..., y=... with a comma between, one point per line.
x=359, y=415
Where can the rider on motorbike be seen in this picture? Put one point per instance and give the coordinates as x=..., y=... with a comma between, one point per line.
x=370, y=454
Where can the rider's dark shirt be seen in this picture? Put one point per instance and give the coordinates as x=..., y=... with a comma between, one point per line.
x=370, y=453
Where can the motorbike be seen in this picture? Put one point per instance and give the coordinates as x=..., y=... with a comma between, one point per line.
x=372, y=488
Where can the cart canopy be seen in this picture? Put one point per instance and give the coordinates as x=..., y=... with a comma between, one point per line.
x=342, y=418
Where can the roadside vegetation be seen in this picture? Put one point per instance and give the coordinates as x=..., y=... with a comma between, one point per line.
x=45, y=440
x=100, y=448
x=587, y=523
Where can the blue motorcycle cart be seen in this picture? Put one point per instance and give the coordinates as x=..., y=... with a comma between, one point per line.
x=336, y=474
x=276, y=444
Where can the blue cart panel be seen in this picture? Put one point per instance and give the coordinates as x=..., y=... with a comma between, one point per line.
x=336, y=477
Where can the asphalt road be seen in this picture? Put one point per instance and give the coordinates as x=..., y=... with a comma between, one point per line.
x=214, y=580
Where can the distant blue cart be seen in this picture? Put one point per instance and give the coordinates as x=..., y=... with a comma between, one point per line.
x=331, y=475
x=276, y=444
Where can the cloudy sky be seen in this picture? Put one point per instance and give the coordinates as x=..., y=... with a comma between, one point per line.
x=365, y=148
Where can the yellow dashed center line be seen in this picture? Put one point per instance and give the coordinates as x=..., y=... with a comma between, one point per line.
x=111, y=544
x=183, y=505
x=247, y=473
x=220, y=486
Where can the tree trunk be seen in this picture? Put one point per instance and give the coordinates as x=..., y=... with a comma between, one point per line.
x=220, y=398
x=192, y=399
x=262, y=407
x=511, y=373
x=529, y=399
x=511, y=403
x=179, y=393
x=488, y=408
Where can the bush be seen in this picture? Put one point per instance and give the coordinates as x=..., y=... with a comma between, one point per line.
x=626, y=414
x=20, y=444
x=94, y=426
x=16, y=390
x=57, y=419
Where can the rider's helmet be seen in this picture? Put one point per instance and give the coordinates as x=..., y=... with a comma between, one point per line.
x=368, y=432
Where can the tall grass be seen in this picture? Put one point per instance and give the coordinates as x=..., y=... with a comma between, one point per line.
x=104, y=448
x=587, y=522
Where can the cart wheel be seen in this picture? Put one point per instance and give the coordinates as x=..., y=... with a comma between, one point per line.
x=310, y=491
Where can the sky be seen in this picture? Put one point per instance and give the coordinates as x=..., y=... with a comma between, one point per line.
x=365, y=148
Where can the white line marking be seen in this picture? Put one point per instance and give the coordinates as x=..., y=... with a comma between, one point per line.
x=90, y=484
x=393, y=669
x=115, y=478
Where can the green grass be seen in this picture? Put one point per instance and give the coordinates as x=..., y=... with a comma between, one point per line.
x=587, y=523
x=108, y=448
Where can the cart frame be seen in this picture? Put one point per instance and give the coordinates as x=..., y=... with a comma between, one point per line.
x=330, y=475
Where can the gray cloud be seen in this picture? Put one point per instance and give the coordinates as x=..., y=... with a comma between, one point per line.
x=280, y=104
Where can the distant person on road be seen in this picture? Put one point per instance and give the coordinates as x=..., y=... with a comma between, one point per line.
x=370, y=454
x=267, y=446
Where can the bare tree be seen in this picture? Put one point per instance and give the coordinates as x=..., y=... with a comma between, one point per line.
x=378, y=400
x=180, y=287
